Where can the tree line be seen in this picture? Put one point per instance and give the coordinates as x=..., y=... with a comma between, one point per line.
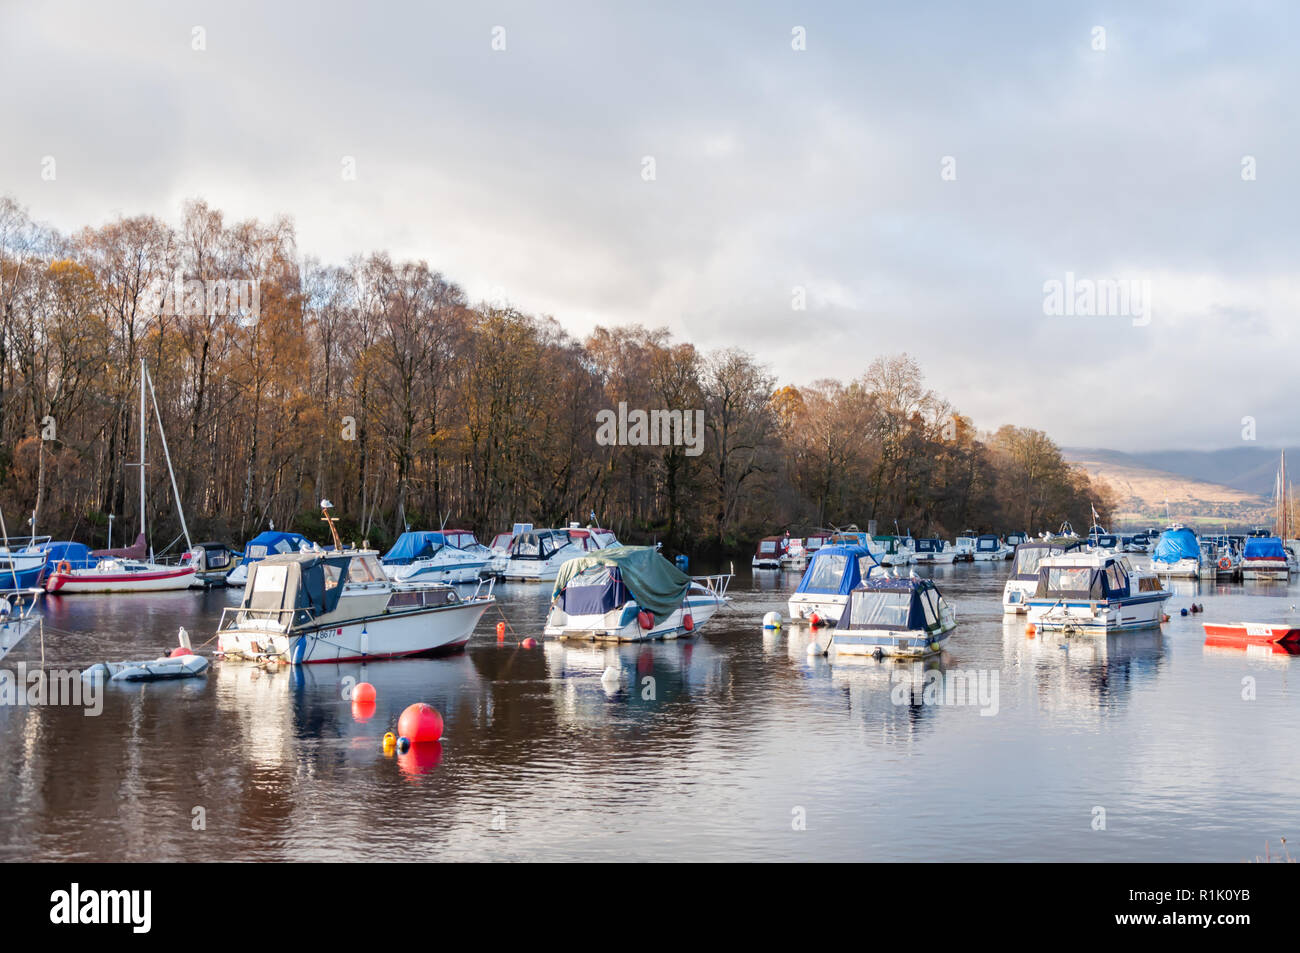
x=377, y=383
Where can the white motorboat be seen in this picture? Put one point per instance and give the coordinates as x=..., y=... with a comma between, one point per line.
x=1094, y=592
x=934, y=551
x=896, y=616
x=338, y=606
x=834, y=572
x=432, y=557
x=988, y=548
x=537, y=555
x=893, y=551
x=268, y=543
x=1264, y=557
x=1024, y=569
x=769, y=552
x=631, y=594
x=1177, y=554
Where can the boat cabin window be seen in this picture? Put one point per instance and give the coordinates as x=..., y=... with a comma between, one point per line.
x=876, y=609
x=365, y=569
x=865, y=565
x=1116, y=580
x=1028, y=559
x=1069, y=579
x=767, y=546
x=813, y=542
x=827, y=571
x=333, y=576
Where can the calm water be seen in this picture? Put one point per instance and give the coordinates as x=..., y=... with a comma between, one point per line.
x=745, y=735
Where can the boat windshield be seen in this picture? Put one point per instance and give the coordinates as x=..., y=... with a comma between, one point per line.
x=1028, y=559
x=767, y=546
x=813, y=542
x=827, y=571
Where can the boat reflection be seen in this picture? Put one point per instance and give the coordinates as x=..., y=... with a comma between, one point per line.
x=894, y=700
x=1084, y=672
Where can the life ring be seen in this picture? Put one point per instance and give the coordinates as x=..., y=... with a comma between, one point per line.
x=1225, y=562
x=64, y=566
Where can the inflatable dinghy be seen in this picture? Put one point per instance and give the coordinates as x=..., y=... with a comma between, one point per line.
x=183, y=666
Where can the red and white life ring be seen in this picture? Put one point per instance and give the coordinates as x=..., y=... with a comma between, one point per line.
x=64, y=566
x=1225, y=562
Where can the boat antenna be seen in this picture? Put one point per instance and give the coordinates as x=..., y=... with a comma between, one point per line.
x=326, y=506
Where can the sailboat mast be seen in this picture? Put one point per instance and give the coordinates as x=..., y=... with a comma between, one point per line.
x=142, y=450
x=162, y=435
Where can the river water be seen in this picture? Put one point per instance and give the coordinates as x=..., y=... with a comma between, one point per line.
x=732, y=745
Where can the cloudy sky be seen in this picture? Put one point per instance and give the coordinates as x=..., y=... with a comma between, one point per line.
x=920, y=173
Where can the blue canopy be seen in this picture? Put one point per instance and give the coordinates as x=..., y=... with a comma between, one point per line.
x=413, y=545
x=836, y=570
x=1268, y=547
x=892, y=602
x=77, y=555
x=1176, y=544
x=271, y=543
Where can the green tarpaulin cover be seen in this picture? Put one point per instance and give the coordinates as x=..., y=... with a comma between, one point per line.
x=654, y=582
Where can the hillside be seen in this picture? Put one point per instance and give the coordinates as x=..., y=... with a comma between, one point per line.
x=1141, y=490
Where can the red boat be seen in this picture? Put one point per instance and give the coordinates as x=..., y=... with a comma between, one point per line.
x=1252, y=633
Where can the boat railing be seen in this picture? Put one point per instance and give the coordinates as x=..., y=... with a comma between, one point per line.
x=716, y=584
x=14, y=598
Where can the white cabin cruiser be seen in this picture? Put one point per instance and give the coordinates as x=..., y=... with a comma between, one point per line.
x=537, y=555
x=339, y=606
x=1264, y=557
x=631, y=594
x=432, y=557
x=988, y=548
x=934, y=551
x=1024, y=569
x=800, y=551
x=835, y=571
x=1095, y=593
x=902, y=616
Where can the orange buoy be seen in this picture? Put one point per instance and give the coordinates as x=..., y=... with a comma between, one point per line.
x=420, y=722
x=364, y=692
x=528, y=643
x=1030, y=630
x=501, y=631
x=688, y=622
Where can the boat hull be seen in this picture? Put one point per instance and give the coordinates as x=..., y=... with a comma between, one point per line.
x=1016, y=596
x=913, y=643
x=1252, y=633
x=1097, y=618
x=828, y=608
x=427, y=631
x=621, y=625
x=1272, y=569
x=90, y=581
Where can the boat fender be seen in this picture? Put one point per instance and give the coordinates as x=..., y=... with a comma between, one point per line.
x=64, y=566
x=772, y=620
x=688, y=623
x=645, y=619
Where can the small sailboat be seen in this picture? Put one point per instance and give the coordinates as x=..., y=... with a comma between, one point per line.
x=127, y=570
x=631, y=594
x=895, y=615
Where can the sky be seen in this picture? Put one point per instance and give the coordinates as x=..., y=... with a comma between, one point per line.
x=912, y=179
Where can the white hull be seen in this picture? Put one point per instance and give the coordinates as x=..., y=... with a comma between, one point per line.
x=164, y=579
x=914, y=643
x=828, y=608
x=425, y=571
x=621, y=625
x=1264, y=569
x=395, y=635
x=1183, y=569
x=1097, y=617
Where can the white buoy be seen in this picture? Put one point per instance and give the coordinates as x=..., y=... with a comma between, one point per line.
x=772, y=620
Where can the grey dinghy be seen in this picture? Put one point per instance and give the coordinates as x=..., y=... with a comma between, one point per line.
x=155, y=670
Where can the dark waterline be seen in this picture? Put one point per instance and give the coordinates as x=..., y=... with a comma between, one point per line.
x=744, y=736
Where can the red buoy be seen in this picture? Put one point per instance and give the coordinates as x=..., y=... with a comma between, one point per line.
x=364, y=692
x=688, y=622
x=645, y=618
x=815, y=620
x=501, y=631
x=420, y=722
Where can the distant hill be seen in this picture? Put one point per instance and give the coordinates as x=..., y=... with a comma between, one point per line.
x=1226, y=486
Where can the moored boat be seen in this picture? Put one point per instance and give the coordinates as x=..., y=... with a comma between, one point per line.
x=768, y=553
x=630, y=594
x=934, y=551
x=835, y=571
x=432, y=557
x=1024, y=569
x=1264, y=557
x=1177, y=554
x=537, y=555
x=1093, y=592
x=272, y=542
x=800, y=551
x=1252, y=633
x=896, y=616
x=988, y=548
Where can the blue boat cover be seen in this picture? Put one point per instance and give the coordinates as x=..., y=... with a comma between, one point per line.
x=1268, y=547
x=891, y=602
x=77, y=555
x=1176, y=544
x=275, y=542
x=836, y=570
x=413, y=545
